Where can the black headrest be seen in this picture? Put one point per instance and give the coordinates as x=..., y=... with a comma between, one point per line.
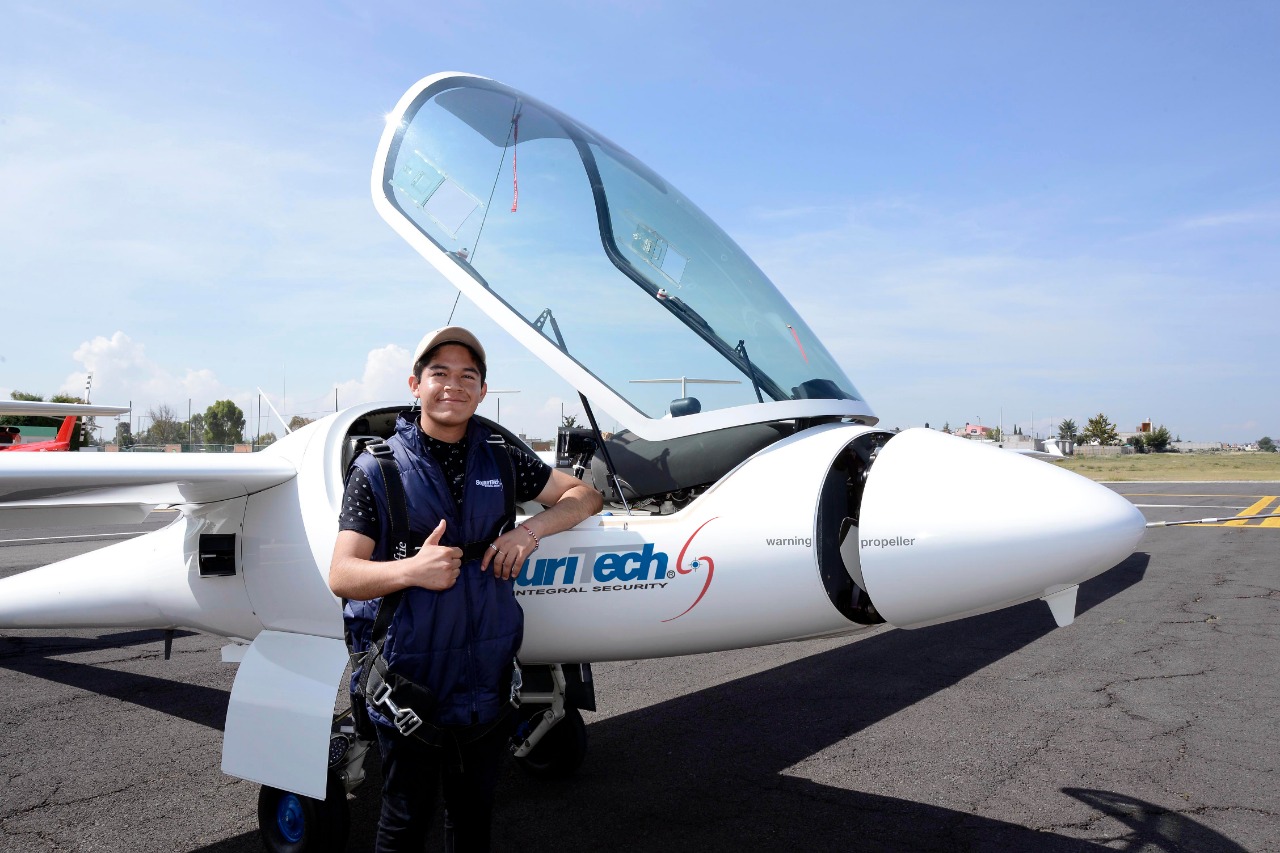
x=685, y=406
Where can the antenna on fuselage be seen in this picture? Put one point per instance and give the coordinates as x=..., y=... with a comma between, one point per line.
x=683, y=381
x=274, y=412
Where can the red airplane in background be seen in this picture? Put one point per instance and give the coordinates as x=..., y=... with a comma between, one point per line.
x=10, y=436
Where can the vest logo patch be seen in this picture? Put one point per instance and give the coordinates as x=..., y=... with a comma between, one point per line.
x=495, y=483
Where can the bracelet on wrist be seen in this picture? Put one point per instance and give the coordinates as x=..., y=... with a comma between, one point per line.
x=536, y=542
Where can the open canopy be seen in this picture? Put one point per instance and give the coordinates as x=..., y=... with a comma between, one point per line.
x=603, y=269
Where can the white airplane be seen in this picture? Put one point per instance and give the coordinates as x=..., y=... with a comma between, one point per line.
x=764, y=510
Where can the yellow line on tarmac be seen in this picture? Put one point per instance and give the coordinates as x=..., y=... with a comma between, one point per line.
x=1257, y=509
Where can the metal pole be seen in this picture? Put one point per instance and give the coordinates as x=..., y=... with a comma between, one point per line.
x=87, y=434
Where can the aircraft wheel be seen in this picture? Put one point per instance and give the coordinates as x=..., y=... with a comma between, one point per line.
x=561, y=751
x=292, y=823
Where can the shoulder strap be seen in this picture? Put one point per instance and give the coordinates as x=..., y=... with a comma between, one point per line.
x=399, y=522
x=507, y=471
x=393, y=487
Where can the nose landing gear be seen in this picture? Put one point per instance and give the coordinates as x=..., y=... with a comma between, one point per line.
x=551, y=738
x=561, y=749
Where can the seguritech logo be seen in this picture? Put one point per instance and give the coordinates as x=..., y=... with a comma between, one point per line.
x=601, y=569
x=587, y=565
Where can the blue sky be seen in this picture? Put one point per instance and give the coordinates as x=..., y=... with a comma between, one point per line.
x=1050, y=210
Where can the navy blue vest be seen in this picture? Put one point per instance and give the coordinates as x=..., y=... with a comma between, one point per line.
x=458, y=643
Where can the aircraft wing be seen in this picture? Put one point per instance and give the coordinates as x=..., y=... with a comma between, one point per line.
x=1049, y=449
x=58, y=410
x=52, y=489
x=1036, y=454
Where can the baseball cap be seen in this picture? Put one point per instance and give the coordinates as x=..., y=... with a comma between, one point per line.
x=450, y=335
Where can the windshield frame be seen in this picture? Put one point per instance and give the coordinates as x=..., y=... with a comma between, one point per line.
x=579, y=375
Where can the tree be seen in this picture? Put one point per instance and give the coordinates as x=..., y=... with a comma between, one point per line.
x=195, y=428
x=1068, y=429
x=946, y=427
x=1158, y=440
x=1137, y=442
x=297, y=422
x=569, y=421
x=165, y=427
x=124, y=437
x=223, y=423
x=1266, y=445
x=265, y=439
x=1101, y=430
x=994, y=434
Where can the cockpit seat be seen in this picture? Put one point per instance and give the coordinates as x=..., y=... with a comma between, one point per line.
x=652, y=468
x=354, y=446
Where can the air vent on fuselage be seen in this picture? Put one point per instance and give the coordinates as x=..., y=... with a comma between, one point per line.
x=217, y=555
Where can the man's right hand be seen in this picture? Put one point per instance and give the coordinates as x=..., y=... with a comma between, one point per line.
x=435, y=566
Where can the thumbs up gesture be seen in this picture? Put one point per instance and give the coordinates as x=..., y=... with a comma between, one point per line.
x=435, y=566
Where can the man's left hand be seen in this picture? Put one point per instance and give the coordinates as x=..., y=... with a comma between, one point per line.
x=508, y=553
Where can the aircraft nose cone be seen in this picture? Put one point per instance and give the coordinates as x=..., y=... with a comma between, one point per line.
x=951, y=528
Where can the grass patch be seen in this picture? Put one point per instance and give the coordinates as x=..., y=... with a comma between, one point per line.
x=1158, y=467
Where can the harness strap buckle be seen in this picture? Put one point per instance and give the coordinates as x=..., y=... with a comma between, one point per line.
x=405, y=719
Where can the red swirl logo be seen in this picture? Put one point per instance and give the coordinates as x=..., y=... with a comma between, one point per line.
x=697, y=564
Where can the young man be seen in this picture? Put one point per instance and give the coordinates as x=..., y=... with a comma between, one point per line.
x=458, y=626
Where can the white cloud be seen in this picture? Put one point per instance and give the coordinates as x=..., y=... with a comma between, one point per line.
x=123, y=372
x=385, y=377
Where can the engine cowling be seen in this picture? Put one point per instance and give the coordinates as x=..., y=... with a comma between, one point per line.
x=949, y=528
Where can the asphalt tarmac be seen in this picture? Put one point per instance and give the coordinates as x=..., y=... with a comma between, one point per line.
x=1151, y=724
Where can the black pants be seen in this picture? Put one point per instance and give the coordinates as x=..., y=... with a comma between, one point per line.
x=413, y=772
